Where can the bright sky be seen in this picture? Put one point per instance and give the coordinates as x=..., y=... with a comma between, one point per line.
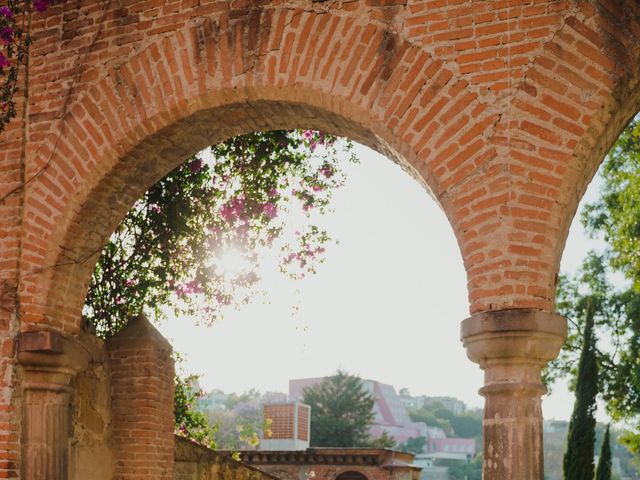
x=386, y=305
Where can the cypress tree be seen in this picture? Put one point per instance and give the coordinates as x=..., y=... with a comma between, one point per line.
x=603, y=472
x=578, y=458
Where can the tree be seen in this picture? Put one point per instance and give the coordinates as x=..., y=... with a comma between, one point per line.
x=578, y=457
x=191, y=423
x=466, y=471
x=169, y=249
x=383, y=441
x=615, y=216
x=603, y=471
x=413, y=445
x=192, y=242
x=341, y=411
x=427, y=417
x=467, y=425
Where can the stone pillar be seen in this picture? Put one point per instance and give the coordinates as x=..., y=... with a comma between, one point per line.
x=142, y=390
x=48, y=362
x=512, y=347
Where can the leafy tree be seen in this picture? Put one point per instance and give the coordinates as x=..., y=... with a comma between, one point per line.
x=234, y=399
x=192, y=242
x=466, y=425
x=578, y=457
x=426, y=416
x=603, y=471
x=413, y=445
x=383, y=441
x=190, y=422
x=341, y=411
x=615, y=216
x=169, y=249
x=616, y=213
x=444, y=414
x=466, y=471
x=241, y=427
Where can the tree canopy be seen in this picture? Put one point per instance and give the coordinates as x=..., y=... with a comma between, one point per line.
x=578, y=457
x=615, y=217
x=341, y=411
x=192, y=242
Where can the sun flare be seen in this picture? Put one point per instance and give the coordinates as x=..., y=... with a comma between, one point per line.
x=231, y=262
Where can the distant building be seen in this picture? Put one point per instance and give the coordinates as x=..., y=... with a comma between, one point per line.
x=334, y=464
x=289, y=426
x=390, y=413
x=450, y=403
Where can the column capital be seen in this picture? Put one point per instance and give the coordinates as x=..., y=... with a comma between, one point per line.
x=513, y=335
x=50, y=359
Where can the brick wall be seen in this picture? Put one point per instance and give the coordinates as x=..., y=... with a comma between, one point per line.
x=142, y=389
x=303, y=422
x=282, y=420
x=503, y=109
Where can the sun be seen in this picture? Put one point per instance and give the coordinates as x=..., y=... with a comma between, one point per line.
x=231, y=262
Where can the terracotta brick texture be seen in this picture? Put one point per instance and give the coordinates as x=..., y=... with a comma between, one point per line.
x=282, y=420
x=502, y=108
x=142, y=390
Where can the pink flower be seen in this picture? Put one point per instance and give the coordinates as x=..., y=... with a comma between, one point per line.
x=195, y=166
x=232, y=209
x=6, y=35
x=307, y=134
x=327, y=171
x=194, y=287
x=270, y=210
x=6, y=12
x=243, y=230
x=4, y=61
x=41, y=5
x=227, y=212
x=317, y=188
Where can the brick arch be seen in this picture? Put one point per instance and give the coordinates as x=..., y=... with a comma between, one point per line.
x=94, y=215
x=137, y=122
x=504, y=109
x=434, y=100
x=568, y=109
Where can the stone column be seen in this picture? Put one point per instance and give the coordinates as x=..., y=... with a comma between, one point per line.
x=48, y=362
x=512, y=347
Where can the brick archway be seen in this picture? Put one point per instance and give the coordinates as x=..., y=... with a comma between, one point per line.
x=503, y=108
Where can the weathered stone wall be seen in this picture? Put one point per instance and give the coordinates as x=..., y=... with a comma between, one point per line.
x=194, y=462
x=331, y=463
x=326, y=472
x=90, y=455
